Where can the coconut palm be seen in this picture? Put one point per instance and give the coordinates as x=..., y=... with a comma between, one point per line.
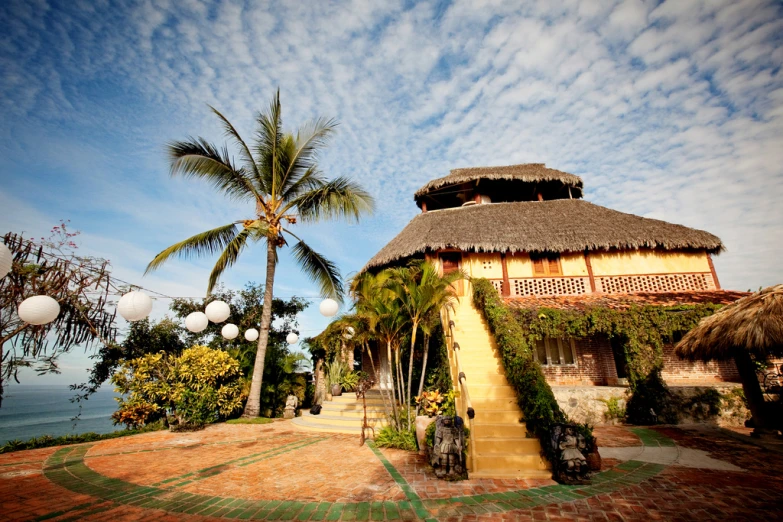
x=280, y=176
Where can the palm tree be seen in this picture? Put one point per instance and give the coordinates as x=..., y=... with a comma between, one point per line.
x=421, y=292
x=280, y=176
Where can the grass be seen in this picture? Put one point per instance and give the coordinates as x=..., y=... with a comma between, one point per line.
x=254, y=420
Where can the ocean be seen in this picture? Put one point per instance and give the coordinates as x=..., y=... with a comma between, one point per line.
x=32, y=411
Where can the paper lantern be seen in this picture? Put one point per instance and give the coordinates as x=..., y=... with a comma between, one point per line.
x=230, y=331
x=329, y=307
x=196, y=322
x=217, y=311
x=251, y=335
x=39, y=309
x=6, y=260
x=291, y=338
x=349, y=333
x=134, y=306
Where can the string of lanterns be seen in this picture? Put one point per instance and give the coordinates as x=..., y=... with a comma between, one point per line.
x=136, y=305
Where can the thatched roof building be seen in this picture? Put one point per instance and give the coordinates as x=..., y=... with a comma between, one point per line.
x=560, y=225
x=753, y=324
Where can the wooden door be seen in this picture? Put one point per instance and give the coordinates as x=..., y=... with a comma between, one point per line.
x=451, y=262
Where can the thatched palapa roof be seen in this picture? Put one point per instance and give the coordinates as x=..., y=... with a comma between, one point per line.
x=528, y=172
x=561, y=225
x=753, y=323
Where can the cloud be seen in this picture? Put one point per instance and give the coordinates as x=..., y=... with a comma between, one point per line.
x=671, y=110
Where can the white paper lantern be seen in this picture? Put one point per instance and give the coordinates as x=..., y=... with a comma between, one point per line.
x=196, y=322
x=6, y=260
x=217, y=311
x=230, y=331
x=39, y=309
x=349, y=333
x=291, y=338
x=134, y=306
x=251, y=335
x=329, y=307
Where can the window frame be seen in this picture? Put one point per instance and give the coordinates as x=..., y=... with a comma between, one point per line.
x=561, y=344
x=545, y=262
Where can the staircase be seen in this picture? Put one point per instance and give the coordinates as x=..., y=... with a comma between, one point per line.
x=344, y=414
x=499, y=446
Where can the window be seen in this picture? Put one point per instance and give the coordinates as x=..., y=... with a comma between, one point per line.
x=546, y=265
x=555, y=352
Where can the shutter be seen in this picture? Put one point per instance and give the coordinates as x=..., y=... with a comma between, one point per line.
x=538, y=267
x=554, y=266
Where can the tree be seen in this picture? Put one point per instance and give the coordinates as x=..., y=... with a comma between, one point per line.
x=81, y=286
x=280, y=176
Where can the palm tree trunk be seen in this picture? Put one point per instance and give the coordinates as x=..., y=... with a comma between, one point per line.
x=253, y=406
x=410, y=370
x=400, y=380
x=424, y=364
x=391, y=376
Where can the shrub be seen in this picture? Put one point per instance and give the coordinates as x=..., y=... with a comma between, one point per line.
x=350, y=380
x=651, y=402
x=335, y=371
x=390, y=437
x=199, y=387
x=614, y=410
x=705, y=404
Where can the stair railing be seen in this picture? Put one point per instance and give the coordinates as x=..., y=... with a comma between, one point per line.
x=463, y=384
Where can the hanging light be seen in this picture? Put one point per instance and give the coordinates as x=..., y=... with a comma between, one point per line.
x=230, y=331
x=196, y=322
x=6, y=260
x=328, y=307
x=39, y=309
x=349, y=333
x=217, y=311
x=251, y=335
x=134, y=306
x=291, y=338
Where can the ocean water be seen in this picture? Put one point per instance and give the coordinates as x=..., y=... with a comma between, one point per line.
x=32, y=411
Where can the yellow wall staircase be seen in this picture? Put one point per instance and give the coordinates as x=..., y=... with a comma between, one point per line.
x=499, y=447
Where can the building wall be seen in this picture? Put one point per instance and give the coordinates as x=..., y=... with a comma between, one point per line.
x=483, y=265
x=595, y=365
x=678, y=370
x=631, y=262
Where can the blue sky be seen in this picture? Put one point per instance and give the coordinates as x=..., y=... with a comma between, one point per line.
x=668, y=110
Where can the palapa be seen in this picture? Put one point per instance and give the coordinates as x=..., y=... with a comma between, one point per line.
x=529, y=172
x=561, y=225
x=752, y=324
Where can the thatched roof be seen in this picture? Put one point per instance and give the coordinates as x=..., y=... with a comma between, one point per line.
x=754, y=323
x=625, y=301
x=562, y=225
x=530, y=172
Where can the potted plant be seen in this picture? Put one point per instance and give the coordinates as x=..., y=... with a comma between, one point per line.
x=430, y=404
x=335, y=372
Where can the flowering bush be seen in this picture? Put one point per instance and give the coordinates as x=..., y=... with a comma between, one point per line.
x=431, y=402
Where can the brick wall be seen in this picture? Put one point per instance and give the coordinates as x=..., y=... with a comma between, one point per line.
x=595, y=365
x=676, y=370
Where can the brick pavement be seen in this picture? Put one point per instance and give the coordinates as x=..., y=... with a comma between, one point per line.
x=273, y=472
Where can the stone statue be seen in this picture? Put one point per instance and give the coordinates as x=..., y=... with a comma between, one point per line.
x=290, y=407
x=447, y=456
x=571, y=465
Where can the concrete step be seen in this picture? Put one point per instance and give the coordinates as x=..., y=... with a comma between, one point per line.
x=514, y=464
x=353, y=414
x=503, y=403
x=512, y=445
x=511, y=474
x=334, y=424
x=490, y=391
x=497, y=431
x=508, y=416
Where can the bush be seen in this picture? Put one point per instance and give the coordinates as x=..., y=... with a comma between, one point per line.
x=199, y=387
x=614, y=410
x=703, y=405
x=390, y=437
x=350, y=380
x=651, y=402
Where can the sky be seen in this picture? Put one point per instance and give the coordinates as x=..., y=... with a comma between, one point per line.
x=670, y=110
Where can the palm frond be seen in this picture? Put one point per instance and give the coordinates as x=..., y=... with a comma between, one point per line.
x=197, y=158
x=335, y=199
x=320, y=270
x=203, y=244
x=228, y=257
x=267, y=145
x=230, y=131
x=310, y=138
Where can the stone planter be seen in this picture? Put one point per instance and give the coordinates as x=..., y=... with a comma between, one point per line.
x=594, y=460
x=337, y=390
x=422, y=421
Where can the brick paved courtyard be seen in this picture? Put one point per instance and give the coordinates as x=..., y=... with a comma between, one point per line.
x=275, y=472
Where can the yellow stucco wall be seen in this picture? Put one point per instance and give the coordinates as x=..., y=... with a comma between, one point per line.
x=519, y=265
x=648, y=262
x=573, y=265
x=483, y=265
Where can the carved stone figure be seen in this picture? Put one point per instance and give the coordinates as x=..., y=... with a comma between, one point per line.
x=291, y=403
x=447, y=452
x=570, y=463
